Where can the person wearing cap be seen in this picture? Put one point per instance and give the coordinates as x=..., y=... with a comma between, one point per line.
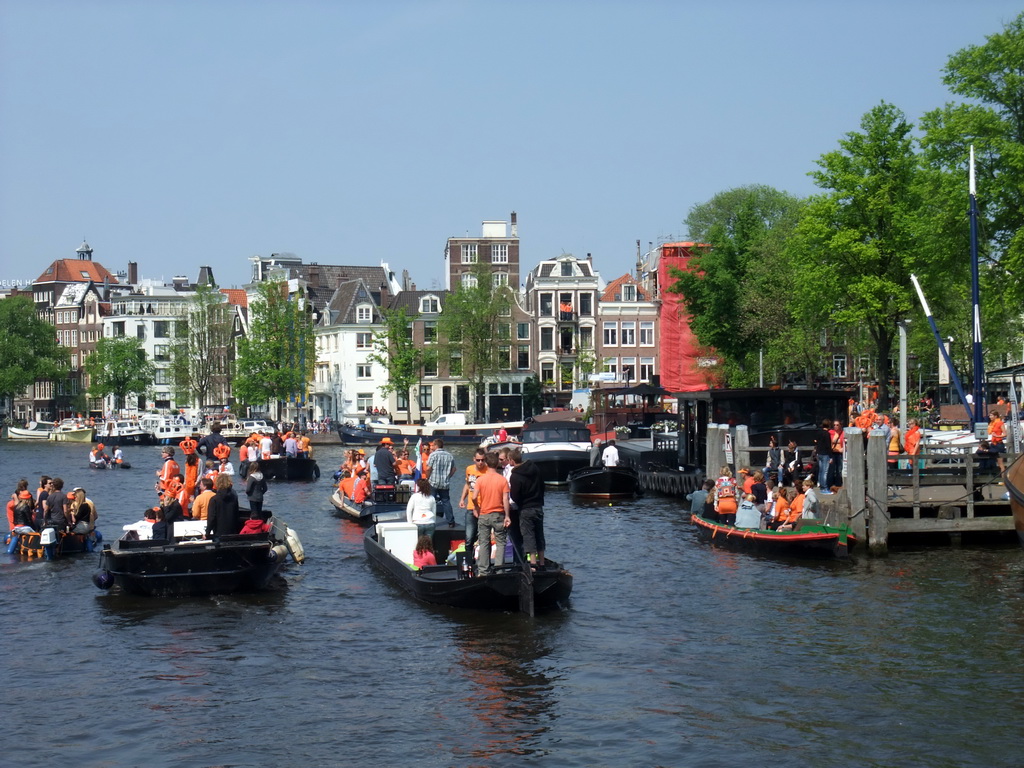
x=747, y=480
x=384, y=462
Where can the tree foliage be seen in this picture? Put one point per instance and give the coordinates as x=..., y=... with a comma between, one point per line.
x=737, y=290
x=277, y=357
x=199, y=354
x=30, y=350
x=118, y=367
x=469, y=328
x=394, y=348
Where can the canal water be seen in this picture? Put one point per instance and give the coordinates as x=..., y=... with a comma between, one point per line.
x=671, y=653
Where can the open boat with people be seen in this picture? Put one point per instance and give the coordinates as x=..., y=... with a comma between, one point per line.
x=190, y=564
x=32, y=431
x=452, y=430
x=605, y=483
x=388, y=504
x=511, y=587
x=72, y=431
x=50, y=543
x=808, y=538
x=559, y=444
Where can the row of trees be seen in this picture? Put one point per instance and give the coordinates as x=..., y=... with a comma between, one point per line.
x=780, y=270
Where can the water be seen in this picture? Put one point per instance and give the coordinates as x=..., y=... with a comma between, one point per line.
x=672, y=653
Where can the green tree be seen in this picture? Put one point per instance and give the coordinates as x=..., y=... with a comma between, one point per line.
x=118, y=367
x=393, y=348
x=469, y=328
x=30, y=350
x=199, y=353
x=738, y=290
x=277, y=357
x=857, y=244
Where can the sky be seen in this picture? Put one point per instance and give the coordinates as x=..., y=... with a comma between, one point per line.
x=204, y=132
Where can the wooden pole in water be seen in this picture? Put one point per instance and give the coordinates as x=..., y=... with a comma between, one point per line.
x=878, y=494
x=716, y=449
x=854, y=482
x=742, y=447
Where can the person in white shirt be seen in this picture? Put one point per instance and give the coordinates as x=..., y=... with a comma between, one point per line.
x=610, y=457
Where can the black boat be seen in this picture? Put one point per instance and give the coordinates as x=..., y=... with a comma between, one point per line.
x=192, y=565
x=511, y=588
x=289, y=468
x=557, y=446
x=388, y=506
x=808, y=538
x=605, y=483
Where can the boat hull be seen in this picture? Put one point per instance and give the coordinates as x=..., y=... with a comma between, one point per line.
x=813, y=540
x=468, y=434
x=605, y=483
x=73, y=435
x=449, y=585
x=556, y=462
x=288, y=468
x=364, y=514
x=161, y=569
x=18, y=433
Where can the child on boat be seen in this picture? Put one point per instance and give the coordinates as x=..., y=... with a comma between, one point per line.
x=424, y=552
x=254, y=524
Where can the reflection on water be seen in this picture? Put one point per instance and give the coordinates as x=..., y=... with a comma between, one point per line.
x=673, y=652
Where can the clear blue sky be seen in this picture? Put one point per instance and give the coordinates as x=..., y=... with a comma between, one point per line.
x=178, y=134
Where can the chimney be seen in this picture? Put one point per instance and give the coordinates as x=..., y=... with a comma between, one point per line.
x=385, y=297
x=133, y=273
x=515, y=226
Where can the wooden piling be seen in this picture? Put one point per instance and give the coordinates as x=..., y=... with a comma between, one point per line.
x=853, y=485
x=877, y=493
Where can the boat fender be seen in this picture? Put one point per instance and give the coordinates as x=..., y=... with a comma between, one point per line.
x=12, y=543
x=103, y=579
x=291, y=540
x=316, y=471
x=278, y=553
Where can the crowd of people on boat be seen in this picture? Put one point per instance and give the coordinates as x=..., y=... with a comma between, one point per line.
x=51, y=507
x=502, y=495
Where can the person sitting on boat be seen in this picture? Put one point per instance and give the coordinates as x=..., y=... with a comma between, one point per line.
x=201, y=506
x=222, y=515
x=783, y=508
x=56, y=515
x=208, y=443
x=97, y=458
x=747, y=514
x=423, y=555
x=226, y=468
x=362, y=494
x=347, y=484
x=173, y=512
x=159, y=530
x=698, y=497
x=759, y=489
x=168, y=470
x=83, y=513
x=725, y=496
x=255, y=524
x=610, y=455
x=422, y=509
x=812, y=506
x=21, y=518
x=118, y=458
x=384, y=462
x=255, y=488
x=795, y=497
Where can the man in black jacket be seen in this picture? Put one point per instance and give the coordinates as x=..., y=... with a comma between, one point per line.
x=526, y=491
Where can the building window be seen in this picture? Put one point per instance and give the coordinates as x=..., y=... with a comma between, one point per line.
x=161, y=353
x=628, y=369
x=364, y=400
x=402, y=403
x=408, y=331
x=586, y=338
x=364, y=371
x=160, y=376
x=430, y=368
x=364, y=313
x=429, y=305
x=547, y=303
x=500, y=278
x=523, y=331
x=646, y=368
x=499, y=253
x=426, y=396
x=628, y=292
x=74, y=362
x=586, y=302
x=566, y=269
x=469, y=253
x=647, y=334
x=364, y=340
x=523, y=357
x=547, y=373
x=468, y=280
x=839, y=366
x=629, y=334
x=504, y=331
x=161, y=329
x=611, y=365
x=611, y=335
x=430, y=332
x=566, y=378
x=455, y=366
x=505, y=357
x=547, y=339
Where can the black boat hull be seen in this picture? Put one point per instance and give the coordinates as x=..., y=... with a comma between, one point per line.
x=605, y=483
x=288, y=468
x=364, y=514
x=448, y=585
x=555, y=465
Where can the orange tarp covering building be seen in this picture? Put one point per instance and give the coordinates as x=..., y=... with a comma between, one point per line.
x=680, y=350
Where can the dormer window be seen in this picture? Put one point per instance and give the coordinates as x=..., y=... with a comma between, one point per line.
x=566, y=269
x=364, y=313
x=628, y=292
x=429, y=305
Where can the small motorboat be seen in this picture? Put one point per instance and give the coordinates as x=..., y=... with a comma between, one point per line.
x=558, y=446
x=51, y=543
x=511, y=587
x=72, y=431
x=605, y=483
x=32, y=431
x=167, y=430
x=388, y=505
x=190, y=564
x=289, y=468
x=124, y=432
x=808, y=538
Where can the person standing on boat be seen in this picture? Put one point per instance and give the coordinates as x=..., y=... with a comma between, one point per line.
x=823, y=447
x=42, y=494
x=440, y=469
x=168, y=471
x=527, y=488
x=421, y=510
x=222, y=517
x=56, y=515
x=255, y=488
x=492, y=507
x=610, y=455
x=201, y=506
x=473, y=473
x=384, y=462
x=725, y=496
x=291, y=446
x=207, y=445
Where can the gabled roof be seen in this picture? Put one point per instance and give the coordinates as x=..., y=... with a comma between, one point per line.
x=236, y=296
x=615, y=287
x=342, y=306
x=410, y=300
x=76, y=271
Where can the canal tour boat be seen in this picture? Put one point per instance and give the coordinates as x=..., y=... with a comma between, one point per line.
x=167, y=430
x=510, y=588
x=605, y=483
x=453, y=428
x=190, y=564
x=808, y=538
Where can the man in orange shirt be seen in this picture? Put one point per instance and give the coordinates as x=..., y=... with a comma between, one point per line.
x=997, y=438
x=201, y=505
x=492, y=510
x=474, y=472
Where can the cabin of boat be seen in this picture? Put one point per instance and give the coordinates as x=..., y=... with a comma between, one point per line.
x=124, y=432
x=167, y=430
x=558, y=444
x=455, y=434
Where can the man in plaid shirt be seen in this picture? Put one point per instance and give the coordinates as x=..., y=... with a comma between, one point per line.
x=440, y=468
